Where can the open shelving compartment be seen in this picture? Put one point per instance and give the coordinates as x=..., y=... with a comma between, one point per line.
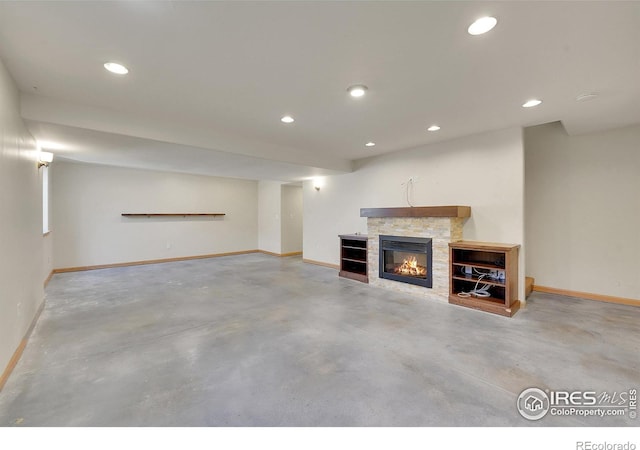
x=353, y=257
x=492, y=266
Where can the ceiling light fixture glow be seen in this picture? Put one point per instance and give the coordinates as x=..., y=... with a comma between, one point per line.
x=116, y=68
x=370, y=144
x=531, y=103
x=357, y=90
x=287, y=119
x=482, y=25
x=46, y=156
x=433, y=128
x=44, y=159
x=50, y=145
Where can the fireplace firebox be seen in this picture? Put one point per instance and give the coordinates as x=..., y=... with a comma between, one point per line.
x=406, y=259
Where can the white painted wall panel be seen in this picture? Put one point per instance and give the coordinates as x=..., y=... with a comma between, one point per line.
x=583, y=210
x=89, y=229
x=21, y=241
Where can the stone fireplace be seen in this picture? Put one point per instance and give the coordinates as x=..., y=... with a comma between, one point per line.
x=439, y=224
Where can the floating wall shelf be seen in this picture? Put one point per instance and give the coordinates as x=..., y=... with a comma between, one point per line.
x=173, y=215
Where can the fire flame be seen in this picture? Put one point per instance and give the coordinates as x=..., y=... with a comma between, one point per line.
x=410, y=267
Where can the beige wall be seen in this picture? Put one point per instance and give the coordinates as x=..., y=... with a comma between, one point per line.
x=279, y=217
x=47, y=254
x=269, y=216
x=583, y=210
x=21, y=242
x=484, y=171
x=88, y=228
x=291, y=233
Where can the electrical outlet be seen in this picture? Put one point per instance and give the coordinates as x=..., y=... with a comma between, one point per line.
x=168, y=245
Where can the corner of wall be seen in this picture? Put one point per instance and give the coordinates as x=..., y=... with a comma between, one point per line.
x=21, y=237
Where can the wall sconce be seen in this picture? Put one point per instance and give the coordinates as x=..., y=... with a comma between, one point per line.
x=45, y=159
x=317, y=184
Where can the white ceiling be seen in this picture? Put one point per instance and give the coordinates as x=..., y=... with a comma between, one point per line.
x=209, y=81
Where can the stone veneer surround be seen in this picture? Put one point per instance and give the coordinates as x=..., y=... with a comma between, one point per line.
x=441, y=230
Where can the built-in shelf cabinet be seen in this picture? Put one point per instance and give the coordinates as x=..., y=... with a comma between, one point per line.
x=474, y=265
x=353, y=257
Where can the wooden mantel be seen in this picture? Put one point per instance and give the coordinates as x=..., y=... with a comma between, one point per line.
x=172, y=214
x=418, y=211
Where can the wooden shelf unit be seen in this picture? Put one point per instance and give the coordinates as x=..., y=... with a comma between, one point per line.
x=353, y=257
x=484, y=258
x=172, y=214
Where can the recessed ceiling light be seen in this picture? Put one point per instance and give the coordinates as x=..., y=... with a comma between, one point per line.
x=116, y=68
x=433, y=128
x=482, y=25
x=586, y=97
x=370, y=144
x=287, y=119
x=357, y=90
x=531, y=103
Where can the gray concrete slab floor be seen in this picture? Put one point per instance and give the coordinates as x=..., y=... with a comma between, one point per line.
x=255, y=340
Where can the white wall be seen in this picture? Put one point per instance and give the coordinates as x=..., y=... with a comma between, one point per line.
x=21, y=241
x=484, y=171
x=583, y=210
x=47, y=254
x=291, y=232
x=269, y=216
x=89, y=229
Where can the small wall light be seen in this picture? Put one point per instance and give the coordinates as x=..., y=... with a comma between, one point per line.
x=317, y=184
x=44, y=159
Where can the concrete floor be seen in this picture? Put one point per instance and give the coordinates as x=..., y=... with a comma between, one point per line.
x=258, y=340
